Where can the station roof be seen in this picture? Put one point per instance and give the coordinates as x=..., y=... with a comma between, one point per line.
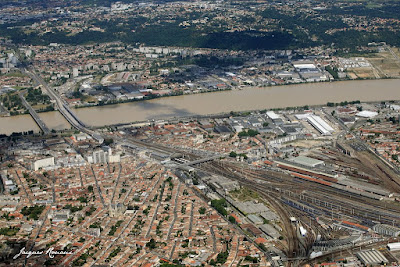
x=306, y=161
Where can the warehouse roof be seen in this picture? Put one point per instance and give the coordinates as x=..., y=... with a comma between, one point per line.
x=273, y=115
x=367, y=114
x=322, y=126
x=371, y=257
x=255, y=219
x=306, y=161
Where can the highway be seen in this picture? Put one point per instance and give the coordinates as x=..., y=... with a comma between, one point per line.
x=33, y=113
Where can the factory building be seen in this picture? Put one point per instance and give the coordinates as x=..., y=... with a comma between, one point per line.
x=269, y=230
x=320, y=125
x=385, y=229
x=371, y=257
x=255, y=219
x=274, y=117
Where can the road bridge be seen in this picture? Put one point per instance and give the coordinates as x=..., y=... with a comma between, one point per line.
x=34, y=114
x=63, y=107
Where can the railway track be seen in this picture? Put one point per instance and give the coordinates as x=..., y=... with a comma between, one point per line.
x=291, y=234
x=342, y=200
x=292, y=250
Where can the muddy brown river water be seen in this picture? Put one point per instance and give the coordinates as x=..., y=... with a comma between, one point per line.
x=218, y=102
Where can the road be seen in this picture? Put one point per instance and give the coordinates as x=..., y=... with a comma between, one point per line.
x=33, y=240
x=98, y=188
x=23, y=187
x=191, y=220
x=33, y=113
x=214, y=239
x=175, y=211
x=393, y=53
x=156, y=210
x=116, y=183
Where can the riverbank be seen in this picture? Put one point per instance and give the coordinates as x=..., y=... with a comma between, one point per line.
x=223, y=102
x=155, y=96
x=239, y=100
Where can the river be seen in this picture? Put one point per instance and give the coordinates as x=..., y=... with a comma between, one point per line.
x=218, y=102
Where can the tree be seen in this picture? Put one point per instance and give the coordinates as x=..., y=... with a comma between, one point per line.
x=10, y=231
x=108, y=141
x=82, y=199
x=262, y=246
x=32, y=212
x=202, y=210
x=151, y=244
x=231, y=219
x=219, y=205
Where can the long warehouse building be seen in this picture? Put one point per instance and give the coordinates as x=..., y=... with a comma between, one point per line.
x=318, y=123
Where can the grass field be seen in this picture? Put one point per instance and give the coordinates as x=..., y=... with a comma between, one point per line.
x=386, y=64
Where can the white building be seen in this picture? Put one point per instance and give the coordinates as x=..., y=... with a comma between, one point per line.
x=75, y=72
x=100, y=156
x=114, y=158
x=103, y=155
x=367, y=114
x=273, y=116
x=8, y=184
x=318, y=123
x=393, y=246
x=81, y=137
x=42, y=163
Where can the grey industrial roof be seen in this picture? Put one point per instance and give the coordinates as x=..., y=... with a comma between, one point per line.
x=306, y=161
x=371, y=257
